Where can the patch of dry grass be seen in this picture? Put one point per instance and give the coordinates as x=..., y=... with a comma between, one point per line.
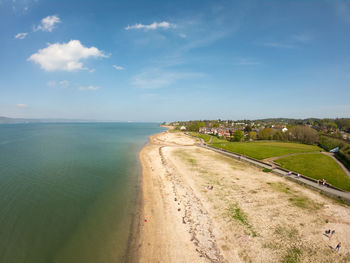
x=296, y=198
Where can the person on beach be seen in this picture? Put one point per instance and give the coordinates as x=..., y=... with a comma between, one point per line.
x=327, y=232
x=337, y=248
x=298, y=175
x=332, y=233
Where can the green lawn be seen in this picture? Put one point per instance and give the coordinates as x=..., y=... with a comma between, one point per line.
x=318, y=166
x=264, y=149
x=205, y=137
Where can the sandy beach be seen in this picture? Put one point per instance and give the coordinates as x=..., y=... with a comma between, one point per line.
x=200, y=206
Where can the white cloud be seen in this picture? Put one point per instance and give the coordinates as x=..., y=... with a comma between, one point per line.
x=182, y=35
x=92, y=70
x=89, y=88
x=21, y=105
x=48, y=23
x=156, y=79
x=118, y=67
x=21, y=35
x=66, y=56
x=153, y=26
x=63, y=84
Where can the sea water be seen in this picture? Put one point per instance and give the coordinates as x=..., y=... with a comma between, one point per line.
x=68, y=191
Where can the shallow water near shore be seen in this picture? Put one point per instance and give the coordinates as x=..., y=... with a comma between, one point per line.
x=68, y=191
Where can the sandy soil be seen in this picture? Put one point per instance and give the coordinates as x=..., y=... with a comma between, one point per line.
x=248, y=216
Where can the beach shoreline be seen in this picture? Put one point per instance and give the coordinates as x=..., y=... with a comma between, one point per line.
x=181, y=220
x=132, y=253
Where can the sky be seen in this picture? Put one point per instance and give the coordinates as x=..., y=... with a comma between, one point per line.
x=174, y=60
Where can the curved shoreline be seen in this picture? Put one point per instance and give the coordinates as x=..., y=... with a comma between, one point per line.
x=132, y=253
x=181, y=220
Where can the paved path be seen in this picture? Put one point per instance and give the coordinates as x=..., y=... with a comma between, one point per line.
x=309, y=182
x=271, y=159
x=347, y=172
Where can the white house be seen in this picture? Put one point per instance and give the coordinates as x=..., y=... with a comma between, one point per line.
x=284, y=129
x=183, y=128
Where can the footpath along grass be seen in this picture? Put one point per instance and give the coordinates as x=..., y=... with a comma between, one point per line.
x=317, y=166
x=264, y=149
x=314, y=165
x=258, y=149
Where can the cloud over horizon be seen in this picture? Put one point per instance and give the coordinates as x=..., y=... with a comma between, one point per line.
x=65, y=56
x=153, y=26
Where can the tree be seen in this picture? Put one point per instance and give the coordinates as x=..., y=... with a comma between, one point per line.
x=215, y=125
x=332, y=126
x=238, y=135
x=194, y=126
x=252, y=135
x=248, y=128
x=266, y=134
x=343, y=124
x=278, y=136
x=303, y=134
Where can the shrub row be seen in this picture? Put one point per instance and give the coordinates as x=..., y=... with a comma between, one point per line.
x=344, y=155
x=328, y=143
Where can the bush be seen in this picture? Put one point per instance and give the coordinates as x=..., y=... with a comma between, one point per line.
x=328, y=143
x=344, y=155
x=238, y=135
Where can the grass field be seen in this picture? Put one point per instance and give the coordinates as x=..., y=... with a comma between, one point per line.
x=314, y=165
x=318, y=166
x=264, y=149
x=205, y=137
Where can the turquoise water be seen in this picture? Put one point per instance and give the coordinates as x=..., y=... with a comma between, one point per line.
x=68, y=191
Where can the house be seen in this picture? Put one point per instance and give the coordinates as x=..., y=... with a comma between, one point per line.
x=284, y=129
x=183, y=128
x=223, y=132
x=205, y=130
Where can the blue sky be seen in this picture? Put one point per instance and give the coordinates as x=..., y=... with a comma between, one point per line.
x=174, y=60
